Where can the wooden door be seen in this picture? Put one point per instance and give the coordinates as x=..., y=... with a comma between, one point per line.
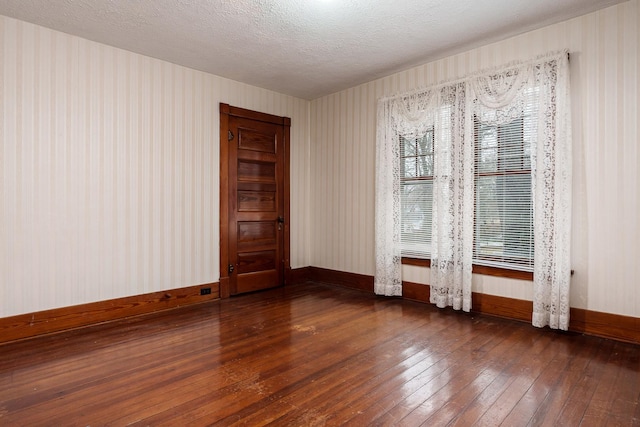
x=253, y=200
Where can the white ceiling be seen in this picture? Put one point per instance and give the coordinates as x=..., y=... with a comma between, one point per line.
x=304, y=48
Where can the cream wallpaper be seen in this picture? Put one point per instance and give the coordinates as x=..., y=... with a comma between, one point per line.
x=605, y=62
x=109, y=166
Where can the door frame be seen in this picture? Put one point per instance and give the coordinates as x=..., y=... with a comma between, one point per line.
x=227, y=111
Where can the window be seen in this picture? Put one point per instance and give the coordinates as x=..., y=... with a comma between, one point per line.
x=416, y=194
x=503, y=211
x=483, y=143
x=503, y=228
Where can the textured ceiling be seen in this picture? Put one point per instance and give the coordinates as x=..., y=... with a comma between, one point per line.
x=305, y=48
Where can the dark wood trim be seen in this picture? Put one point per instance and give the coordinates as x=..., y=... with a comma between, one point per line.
x=605, y=325
x=508, y=308
x=420, y=262
x=254, y=115
x=295, y=276
x=286, y=132
x=502, y=272
x=225, y=289
x=477, y=269
x=416, y=291
x=348, y=280
x=615, y=326
x=491, y=305
x=225, y=112
x=59, y=319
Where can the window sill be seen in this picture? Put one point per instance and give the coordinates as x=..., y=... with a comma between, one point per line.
x=477, y=269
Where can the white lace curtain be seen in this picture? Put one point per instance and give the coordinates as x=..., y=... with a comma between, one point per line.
x=541, y=88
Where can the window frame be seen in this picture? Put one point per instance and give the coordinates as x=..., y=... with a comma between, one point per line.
x=501, y=171
x=418, y=179
x=488, y=270
x=477, y=269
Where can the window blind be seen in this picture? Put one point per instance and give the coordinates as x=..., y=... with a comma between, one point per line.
x=503, y=200
x=416, y=195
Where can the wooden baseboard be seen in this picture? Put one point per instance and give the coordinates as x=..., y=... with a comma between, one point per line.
x=615, y=326
x=295, y=276
x=415, y=291
x=508, y=308
x=44, y=322
x=605, y=325
x=492, y=305
x=348, y=280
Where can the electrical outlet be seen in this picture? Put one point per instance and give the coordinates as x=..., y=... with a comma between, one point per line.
x=205, y=291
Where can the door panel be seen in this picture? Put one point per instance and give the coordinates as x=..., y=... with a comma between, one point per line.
x=250, y=282
x=252, y=234
x=254, y=171
x=256, y=204
x=257, y=142
x=251, y=262
x=257, y=201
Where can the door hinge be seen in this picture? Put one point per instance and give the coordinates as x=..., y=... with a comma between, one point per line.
x=231, y=268
x=230, y=136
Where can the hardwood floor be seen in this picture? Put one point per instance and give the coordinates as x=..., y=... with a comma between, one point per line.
x=314, y=355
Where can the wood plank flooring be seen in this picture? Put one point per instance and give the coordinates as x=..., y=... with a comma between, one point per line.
x=316, y=355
